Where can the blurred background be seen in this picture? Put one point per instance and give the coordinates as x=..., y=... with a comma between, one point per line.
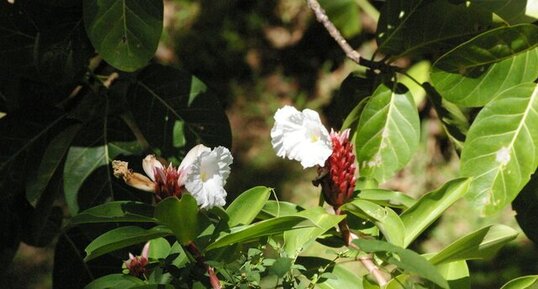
x=261, y=55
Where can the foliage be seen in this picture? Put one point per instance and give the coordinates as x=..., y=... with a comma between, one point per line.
x=79, y=89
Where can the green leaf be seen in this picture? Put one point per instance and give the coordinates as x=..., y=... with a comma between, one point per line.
x=480, y=244
x=430, y=207
x=159, y=248
x=478, y=70
x=344, y=14
x=526, y=207
x=114, y=281
x=405, y=259
x=385, y=219
x=511, y=11
x=296, y=240
x=122, y=237
x=414, y=27
x=269, y=227
x=388, y=133
x=525, y=282
x=456, y=273
x=501, y=150
x=181, y=216
x=124, y=32
x=281, y=266
x=163, y=95
x=387, y=198
x=245, y=208
x=343, y=279
x=153, y=286
x=117, y=211
x=52, y=158
x=278, y=209
x=82, y=161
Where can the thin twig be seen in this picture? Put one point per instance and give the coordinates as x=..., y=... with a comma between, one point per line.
x=322, y=17
x=368, y=263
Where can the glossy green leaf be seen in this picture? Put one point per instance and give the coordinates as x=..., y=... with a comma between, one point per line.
x=525, y=282
x=501, y=150
x=114, y=281
x=278, y=209
x=268, y=227
x=246, y=207
x=52, y=158
x=352, y=119
x=412, y=27
x=385, y=219
x=163, y=95
x=387, y=198
x=430, y=207
x=526, y=207
x=456, y=274
x=388, y=133
x=478, y=70
x=343, y=279
x=124, y=32
x=159, y=248
x=296, y=240
x=405, y=259
x=82, y=161
x=116, y=211
x=181, y=216
x=344, y=14
x=481, y=244
x=123, y=237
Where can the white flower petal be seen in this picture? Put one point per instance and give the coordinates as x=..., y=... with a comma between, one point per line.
x=300, y=136
x=207, y=176
x=192, y=155
x=149, y=164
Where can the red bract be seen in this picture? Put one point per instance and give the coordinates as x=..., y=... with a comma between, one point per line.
x=337, y=177
x=167, y=183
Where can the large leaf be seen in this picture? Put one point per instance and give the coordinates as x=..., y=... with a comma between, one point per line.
x=269, y=227
x=417, y=26
x=405, y=259
x=342, y=279
x=123, y=237
x=246, y=207
x=52, y=158
x=278, y=209
x=385, y=219
x=526, y=207
x=525, y=282
x=118, y=211
x=181, y=216
x=478, y=70
x=296, y=240
x=456, y=274
x=114, y=281
x=430, y=207
x=513, y=12
x=163, y=96
x=501, y=150
x=388, y=132
x=387, y=198
x=124, y=32
x=481, y=244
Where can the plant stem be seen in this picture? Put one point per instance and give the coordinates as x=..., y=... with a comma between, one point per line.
x=213, y=278
x=369, y=264
x=322, y=17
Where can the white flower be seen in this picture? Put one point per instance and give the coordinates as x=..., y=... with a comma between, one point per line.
x=205, y=174
x=300, y=136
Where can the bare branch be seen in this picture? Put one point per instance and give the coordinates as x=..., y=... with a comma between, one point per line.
x=322, y=17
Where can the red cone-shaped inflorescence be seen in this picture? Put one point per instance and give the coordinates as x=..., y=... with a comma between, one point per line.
x=137, y=265
x=167, y=183
x=337, y=177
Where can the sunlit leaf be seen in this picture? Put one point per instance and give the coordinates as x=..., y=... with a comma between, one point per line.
x=278, y=209
x=123, y=237
x=405, y=259
x=430, y=207
x=387, y=198
x=412, y=27
x=246, y=207
x=296, y=240
x=388, y=132
x=525, y=282
x=117, y=211
x=268, y=227
x=124, y=32
x=385, y=219
x=343, y=279
x=501, y=150
x=181, y=216
x=481, y=244
x=477, y=71
x=456, y=274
